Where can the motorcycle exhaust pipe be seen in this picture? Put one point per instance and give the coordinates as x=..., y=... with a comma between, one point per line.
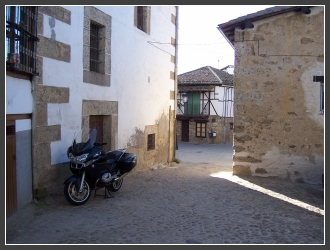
x=120, y=177
x=114, y=179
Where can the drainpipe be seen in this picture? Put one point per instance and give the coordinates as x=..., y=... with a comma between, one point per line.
x=176, y=75
x=224, y=120
x=169, y=134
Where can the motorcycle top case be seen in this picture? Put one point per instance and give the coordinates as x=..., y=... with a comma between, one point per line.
x=127, y=162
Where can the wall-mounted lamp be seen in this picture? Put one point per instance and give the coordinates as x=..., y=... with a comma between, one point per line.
x=185, y=97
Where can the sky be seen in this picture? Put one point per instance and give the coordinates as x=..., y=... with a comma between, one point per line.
x=200, y=42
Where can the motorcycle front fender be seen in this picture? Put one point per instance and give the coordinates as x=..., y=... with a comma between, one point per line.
x=72, y=178
x=76, y=179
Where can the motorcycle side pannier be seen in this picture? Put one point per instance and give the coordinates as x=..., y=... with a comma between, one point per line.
x=127, y=162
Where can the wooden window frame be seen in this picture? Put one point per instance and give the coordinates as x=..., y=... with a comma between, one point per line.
x=200, y=132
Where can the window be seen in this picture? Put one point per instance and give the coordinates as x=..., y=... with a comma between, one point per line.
x=201, y=129
x=97, y=47
x=151, y=142
x=21, y=38
x=142, y=18
x=194, y=103
x=94, y=48
x=322, y=98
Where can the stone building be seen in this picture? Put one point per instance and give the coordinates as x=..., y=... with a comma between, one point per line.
x=205, y=106
x=75, y=67
x=279, y=92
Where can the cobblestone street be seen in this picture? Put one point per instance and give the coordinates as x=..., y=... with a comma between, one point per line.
x=197, y=201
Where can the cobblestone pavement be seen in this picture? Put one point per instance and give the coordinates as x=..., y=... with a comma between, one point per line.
x=197, y=201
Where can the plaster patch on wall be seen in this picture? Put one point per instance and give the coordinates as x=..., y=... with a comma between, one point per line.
x=137, y=139
x=137, y=143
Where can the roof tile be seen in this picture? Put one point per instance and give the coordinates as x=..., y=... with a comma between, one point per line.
x=206, y=76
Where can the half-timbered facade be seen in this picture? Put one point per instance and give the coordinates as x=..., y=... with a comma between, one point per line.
x=205, y=106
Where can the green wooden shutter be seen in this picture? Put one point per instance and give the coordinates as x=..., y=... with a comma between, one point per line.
x=193, y=103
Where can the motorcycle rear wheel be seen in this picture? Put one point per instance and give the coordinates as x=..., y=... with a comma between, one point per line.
x=115, y=186
x=73, y=196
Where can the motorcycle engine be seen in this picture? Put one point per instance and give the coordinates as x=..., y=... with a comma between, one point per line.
x=106, y=177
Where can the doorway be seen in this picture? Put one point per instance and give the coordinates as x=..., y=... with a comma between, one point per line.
x=11, y=182
x=185, y=130
x=96, y=121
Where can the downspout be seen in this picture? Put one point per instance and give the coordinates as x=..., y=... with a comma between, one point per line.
x=224, y=120
x=176, y=76
x=169, y=135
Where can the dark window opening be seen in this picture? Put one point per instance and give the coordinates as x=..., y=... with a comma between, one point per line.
x=151, y=142
x=95, y=47
x=322, y=99
x=10, y=130
x=201, y=129
x=21, y=38
x=140, y=18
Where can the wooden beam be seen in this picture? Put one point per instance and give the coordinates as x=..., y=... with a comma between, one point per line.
x=14, y=117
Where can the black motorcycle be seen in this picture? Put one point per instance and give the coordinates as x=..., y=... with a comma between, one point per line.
x=93, y=169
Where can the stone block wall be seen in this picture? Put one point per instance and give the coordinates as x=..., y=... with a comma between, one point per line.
x=278, y=130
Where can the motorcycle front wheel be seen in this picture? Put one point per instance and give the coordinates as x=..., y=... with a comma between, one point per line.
x=116, y=185
x=73, y=196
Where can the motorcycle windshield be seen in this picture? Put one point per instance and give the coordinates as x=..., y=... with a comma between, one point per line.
x=79, y=146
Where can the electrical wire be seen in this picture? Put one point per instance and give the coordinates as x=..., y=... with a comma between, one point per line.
x=226, y=54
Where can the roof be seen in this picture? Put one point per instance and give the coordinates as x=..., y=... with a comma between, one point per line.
x=228, y=29
x=228, y=66
x=196, y=88
x=205, y=77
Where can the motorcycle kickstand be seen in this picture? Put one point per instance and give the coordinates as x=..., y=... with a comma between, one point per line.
x=105, y=193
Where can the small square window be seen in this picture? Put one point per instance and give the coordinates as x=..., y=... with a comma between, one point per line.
x=151, y=142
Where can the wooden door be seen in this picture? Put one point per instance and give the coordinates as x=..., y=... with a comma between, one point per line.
x=96, y=121
x=11, y=185
x=185, y=130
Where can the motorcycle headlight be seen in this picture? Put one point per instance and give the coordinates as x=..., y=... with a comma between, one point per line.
x=78, y=159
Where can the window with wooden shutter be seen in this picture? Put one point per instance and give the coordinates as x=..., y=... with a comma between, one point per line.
x=194, y=103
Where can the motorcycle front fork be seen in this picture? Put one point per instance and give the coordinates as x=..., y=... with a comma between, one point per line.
x=81, y=182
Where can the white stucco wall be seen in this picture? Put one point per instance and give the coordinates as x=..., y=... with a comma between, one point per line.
x=22, y=125
x=18, y=96
x=133, y=62
x=223, y=108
